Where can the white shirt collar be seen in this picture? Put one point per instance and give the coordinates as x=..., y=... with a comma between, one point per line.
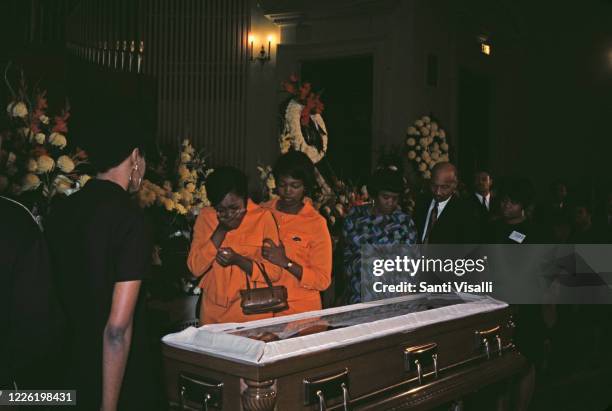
x=487, y=197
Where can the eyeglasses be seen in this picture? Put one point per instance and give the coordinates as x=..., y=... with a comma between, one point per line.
x=229, y=212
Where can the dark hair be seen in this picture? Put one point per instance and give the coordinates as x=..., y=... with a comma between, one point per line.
x=385, y=179
x=110, y=134
x=295, y=164
x=518, y=190
x=225, y=180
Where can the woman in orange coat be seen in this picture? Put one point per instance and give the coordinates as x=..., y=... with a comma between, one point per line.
x=305, y=251
x=226, y=247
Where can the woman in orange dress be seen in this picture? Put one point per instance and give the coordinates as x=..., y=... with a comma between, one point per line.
x=226, y=247
x=305, y=250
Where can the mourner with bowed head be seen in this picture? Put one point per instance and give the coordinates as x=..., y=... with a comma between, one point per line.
x=380, y=223
x=305, y=251
x=101, y=251
x=441, y=216
x=514, y=227
x=227, y=247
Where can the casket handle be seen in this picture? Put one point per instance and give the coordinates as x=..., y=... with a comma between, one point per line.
x=331, y=385
x=200, y=391
x=485, y=338
x=421, y=356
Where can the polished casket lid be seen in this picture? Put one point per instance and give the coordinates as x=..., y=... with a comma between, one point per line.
x=273, y=339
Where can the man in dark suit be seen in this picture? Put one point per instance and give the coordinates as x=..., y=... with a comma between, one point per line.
x=443, y=217
x=482, y=197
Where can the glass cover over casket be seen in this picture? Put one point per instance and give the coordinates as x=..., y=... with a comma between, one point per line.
x=277, y=338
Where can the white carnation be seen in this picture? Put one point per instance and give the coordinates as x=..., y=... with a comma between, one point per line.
x=411, y=141
x=424, y=131
x=427, y=174
x=444, y=147
x=18, y=109
x=434, y=126
x=419, y=123
x=411, y=155
x=426, y=119
x=411, y=131
x=422, y=166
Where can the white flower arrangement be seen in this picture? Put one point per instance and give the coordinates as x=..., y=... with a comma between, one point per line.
x=426, y=145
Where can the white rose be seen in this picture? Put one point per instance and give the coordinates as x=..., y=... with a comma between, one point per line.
x=65, y=164
x=83, y=180
x=424, y=131
x=419, y=123
x=44, y=119
x=426, y=156
x=422, y=166
x=32, y=165
x=435, y=155
x=427, y=174
x=441, y=133
x=411, y=141
x=411, y=155
x=40, y=138
x=423, y=142
x=444, y=147
x=426, y=119
x=63, y=184
x=30, y=182
x=411, y=131
x=18, y=109
x=58, y=140
x=434, y=126
x=435, y=147
x=45, y=164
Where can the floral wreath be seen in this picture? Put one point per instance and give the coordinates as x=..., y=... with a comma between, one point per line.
x=302, y=127
x=426, y=145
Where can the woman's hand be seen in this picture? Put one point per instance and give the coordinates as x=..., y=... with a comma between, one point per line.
x=274, y=253
x=226, y=256
x=231, y=220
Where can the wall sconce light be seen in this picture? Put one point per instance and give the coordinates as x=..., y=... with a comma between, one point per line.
x=263, y=56
x=485, y=46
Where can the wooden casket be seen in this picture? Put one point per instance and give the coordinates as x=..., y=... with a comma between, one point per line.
x=413, y=352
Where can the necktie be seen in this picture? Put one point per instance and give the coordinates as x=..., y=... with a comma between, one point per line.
x=484, y=203
x=433, y=217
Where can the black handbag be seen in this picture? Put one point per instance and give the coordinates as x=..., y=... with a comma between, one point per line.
x=269, y=299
